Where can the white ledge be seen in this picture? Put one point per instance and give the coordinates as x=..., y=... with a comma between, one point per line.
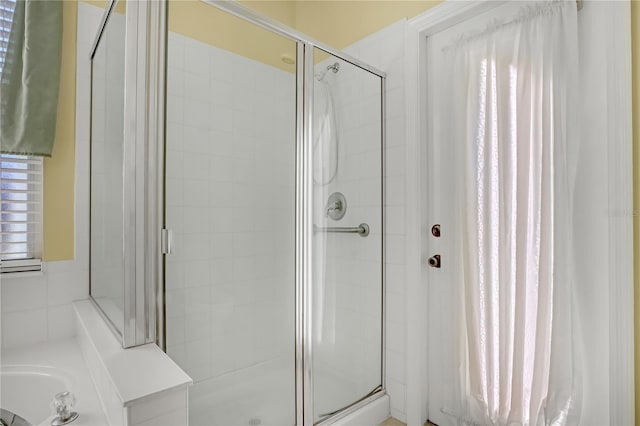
x=135, y=373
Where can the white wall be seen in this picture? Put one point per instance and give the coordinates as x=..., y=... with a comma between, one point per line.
x=230, y=203
x=600, y=250
x=385, y=50
x=37, y=307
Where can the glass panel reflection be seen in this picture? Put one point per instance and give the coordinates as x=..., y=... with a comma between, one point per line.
x=107, y=153
x=347, y=317
x=230, y=200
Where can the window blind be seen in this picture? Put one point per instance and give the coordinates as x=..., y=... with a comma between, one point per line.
x=6, y=17
x=21, y=199
x=20, y=189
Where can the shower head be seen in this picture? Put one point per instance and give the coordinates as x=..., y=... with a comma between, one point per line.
x=335, y=68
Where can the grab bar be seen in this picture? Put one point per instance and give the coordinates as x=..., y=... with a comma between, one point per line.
x=362, y=229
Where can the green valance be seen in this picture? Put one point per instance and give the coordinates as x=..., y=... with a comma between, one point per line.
x=30, y=79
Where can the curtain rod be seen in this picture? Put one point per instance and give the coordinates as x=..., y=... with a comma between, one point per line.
x=525, y=14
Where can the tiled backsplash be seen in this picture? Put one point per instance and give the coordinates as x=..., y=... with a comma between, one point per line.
x=37, y=308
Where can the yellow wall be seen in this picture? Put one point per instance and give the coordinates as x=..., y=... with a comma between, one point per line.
x=635, y=36
x=59, y=176
x=281, y=11
x=341, y=23
x=336, y=23
x=197, y=20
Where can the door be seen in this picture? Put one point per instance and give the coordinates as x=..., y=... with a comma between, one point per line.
x=444, y=334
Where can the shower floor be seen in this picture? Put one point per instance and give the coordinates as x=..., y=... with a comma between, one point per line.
x=263, y=394
x=259, y=395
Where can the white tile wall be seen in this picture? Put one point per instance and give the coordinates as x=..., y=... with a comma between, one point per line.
x=385, y=50
x=36, y=307
x=230, y=202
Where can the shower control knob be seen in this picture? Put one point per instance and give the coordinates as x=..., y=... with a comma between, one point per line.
x=435, y=230
x=434, y=261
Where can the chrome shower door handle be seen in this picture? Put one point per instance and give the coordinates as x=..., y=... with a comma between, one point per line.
x=166, y=241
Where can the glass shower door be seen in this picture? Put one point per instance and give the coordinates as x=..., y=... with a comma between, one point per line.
x=230, y=202
x=347, y=239
x=108, y=153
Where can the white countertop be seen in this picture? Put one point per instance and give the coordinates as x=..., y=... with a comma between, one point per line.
x=134, y=372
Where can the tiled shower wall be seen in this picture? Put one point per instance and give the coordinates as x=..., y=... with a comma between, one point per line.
x=385, y=50
x=230, y=164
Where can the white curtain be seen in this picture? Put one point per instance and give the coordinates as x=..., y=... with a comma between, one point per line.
x=512, y=107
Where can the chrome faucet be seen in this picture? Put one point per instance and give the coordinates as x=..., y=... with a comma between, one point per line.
x=61, y=405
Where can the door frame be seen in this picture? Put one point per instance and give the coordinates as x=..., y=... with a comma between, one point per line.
x=621, y=309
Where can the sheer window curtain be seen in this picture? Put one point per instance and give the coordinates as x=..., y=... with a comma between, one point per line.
x=512, y=117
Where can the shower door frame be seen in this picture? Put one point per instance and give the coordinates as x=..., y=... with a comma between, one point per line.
x=303, y=182
x=140, y=217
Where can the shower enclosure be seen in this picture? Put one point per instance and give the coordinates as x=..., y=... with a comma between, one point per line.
x=270, y=201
